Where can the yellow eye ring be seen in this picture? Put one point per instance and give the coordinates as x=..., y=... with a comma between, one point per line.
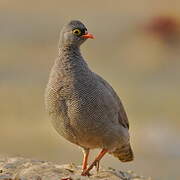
x=77, y=32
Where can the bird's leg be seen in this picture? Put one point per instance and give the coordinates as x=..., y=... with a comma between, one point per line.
x=85, y=159
x=97, y=166
x=95, y=162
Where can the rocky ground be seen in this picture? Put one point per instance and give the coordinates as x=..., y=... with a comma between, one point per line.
x=19, y=168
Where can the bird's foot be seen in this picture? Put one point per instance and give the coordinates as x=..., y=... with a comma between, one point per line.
x=95, y=163
x=84, y=173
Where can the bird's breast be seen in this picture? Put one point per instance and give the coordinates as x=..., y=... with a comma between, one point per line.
x=91, y=107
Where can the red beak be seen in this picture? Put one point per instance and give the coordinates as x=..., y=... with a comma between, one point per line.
x=88, y=36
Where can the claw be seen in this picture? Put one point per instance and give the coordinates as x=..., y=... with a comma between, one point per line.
x=95, y=163
x=84, y=173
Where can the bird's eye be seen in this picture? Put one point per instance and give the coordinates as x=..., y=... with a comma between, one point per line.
x=77, y=32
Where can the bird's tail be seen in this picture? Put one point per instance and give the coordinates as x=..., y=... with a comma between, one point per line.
x=124, y=154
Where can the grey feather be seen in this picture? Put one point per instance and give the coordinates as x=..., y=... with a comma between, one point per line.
x=83, y=107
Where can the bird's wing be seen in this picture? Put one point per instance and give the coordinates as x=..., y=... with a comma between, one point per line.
x=122, y=116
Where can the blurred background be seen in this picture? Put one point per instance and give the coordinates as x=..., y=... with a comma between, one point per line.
x=137, y=49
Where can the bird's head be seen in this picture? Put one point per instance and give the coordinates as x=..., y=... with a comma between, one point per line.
x=74, y=33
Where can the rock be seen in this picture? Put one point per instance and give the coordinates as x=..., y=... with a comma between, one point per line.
x=5, y=177
x=19, y=168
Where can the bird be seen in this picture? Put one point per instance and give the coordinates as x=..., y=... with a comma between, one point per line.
x=83, y=107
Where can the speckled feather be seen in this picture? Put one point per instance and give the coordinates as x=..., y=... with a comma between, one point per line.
x=83, y=107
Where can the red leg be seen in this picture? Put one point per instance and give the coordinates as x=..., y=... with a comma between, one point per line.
x=85, y=159
x=95, y=162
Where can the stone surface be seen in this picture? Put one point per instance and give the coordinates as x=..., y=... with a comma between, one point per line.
x=19, y=168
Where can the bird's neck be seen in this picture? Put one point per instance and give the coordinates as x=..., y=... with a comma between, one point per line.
x=70, y=59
